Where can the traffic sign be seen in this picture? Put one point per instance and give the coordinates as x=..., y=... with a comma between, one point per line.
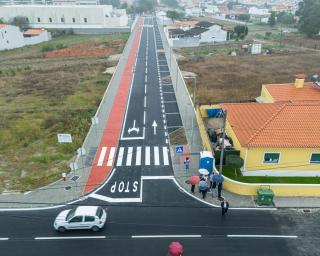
x=179, y=149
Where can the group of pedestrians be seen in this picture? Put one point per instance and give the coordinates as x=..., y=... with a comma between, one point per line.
x=216, y=181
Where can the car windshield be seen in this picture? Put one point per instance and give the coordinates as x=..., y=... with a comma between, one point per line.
x=70, y=214
x=99, y=212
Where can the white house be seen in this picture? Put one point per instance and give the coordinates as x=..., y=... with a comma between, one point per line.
x=193, y=33
x=193, y=12
x=35, y=36
x=257, y=11
x=215, y=33
x=67, y=17
x=10, y=37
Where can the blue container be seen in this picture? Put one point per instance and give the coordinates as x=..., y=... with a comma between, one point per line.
x=207, y=161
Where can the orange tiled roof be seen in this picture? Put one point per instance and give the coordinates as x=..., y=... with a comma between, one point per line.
x=179, y=24
x=276, y=125
x=2, y=25
x=288, y=92
x=33, y=32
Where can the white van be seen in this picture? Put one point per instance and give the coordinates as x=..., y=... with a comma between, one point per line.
x=81, y=217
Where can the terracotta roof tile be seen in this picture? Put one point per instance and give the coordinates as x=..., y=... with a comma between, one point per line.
x=33, y=32
x=288, y=92
x=282, y=125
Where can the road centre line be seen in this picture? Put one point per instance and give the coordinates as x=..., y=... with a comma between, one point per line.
x=4, y=238
x=68, y=237
x=144, y=117
x=165, y=236
x=175, y=113
x=261, y=236
x=145, y=101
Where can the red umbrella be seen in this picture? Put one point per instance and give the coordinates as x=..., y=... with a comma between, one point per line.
x=175, y=249
x=194, y=180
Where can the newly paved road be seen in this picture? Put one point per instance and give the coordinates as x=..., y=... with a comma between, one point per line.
x=146, y=209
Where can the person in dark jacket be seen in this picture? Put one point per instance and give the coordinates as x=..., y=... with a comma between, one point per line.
x=224, y=207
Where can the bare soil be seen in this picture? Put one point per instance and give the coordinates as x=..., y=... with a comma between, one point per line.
x=239, y=78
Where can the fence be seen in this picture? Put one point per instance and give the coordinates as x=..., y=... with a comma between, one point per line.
x=188, y=115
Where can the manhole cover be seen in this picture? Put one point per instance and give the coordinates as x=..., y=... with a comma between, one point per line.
x=67, y=188
x=74, y=178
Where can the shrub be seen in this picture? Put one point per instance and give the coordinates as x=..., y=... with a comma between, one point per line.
x=61, y=46
x=47, y=48
x=234, y=161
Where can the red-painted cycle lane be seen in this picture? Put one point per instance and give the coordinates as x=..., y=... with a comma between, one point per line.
x=103, y=161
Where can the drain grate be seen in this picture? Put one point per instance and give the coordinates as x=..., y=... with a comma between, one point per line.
x=74, y=178
x=306, y=210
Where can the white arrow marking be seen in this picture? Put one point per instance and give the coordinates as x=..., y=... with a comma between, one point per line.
x=134, y=128
x=154, y=125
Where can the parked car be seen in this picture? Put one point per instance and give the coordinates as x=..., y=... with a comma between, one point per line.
x=81, y=217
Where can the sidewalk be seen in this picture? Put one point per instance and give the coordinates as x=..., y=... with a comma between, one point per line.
x=236, y=201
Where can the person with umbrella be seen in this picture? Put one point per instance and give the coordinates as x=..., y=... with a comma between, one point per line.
x=203, y=187
x=193, y=180
x=175, y=249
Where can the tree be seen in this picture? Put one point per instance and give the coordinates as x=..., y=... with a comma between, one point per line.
x=285, y=18
x=114, y=3
x=244, y=17
x=170, y=3
x=240, y=32
x=145, y=6
x=20, y=21
x=272, y=19
x=1, y=21
x=174, y=15
x=309, y=22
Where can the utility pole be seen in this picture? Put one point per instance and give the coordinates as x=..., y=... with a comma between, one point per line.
x=223, y=138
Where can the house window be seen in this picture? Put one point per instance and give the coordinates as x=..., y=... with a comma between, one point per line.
x=38, y=19
x=85, y=20
x=50, y=19
x=62, y=19
x=73, y=20
x=271, y=158
x=315, y=158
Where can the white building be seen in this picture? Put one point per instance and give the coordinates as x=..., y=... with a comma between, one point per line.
x=193, y=12
x=10, y=37
x=258, y=11
x=50, y=2
x=67, y=17
x=35, y=36
x=215, y=33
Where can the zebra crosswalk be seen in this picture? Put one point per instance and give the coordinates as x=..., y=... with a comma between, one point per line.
x=133, y=156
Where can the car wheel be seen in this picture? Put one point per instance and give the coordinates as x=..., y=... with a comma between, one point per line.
x=62, y=229
x=95, y=228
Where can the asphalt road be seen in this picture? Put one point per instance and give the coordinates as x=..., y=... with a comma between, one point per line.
x=144, y=217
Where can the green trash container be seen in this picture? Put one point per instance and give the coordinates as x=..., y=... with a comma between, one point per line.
x=265, y=196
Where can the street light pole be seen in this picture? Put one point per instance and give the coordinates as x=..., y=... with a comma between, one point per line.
x=223, y=138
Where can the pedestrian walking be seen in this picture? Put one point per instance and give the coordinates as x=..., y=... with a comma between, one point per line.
x=203, y=188
x=213, y=183
x=193, y=186
x=224, y=207
x=187, y=163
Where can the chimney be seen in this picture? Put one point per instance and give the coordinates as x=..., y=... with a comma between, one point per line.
x=299, y=82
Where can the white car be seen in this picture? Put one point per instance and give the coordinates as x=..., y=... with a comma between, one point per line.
x=81, y=217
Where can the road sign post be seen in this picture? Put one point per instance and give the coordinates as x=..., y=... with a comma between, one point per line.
x=179, y=149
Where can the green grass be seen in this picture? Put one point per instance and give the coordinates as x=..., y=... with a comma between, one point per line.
x=41, y=97
x=230, y=172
